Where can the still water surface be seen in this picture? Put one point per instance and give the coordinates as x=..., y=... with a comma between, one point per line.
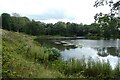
x=96, y=49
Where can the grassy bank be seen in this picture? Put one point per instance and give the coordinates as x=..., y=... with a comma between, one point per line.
x=24, y=57
x=20, y=54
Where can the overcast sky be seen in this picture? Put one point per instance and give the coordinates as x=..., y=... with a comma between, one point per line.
x=78, y=11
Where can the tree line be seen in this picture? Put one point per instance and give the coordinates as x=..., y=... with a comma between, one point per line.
x=104, y=27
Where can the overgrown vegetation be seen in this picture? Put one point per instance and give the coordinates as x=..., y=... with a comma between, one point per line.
x=23, y=57
x=86, y=69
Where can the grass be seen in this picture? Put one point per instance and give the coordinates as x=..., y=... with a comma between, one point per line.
x=79, y=68
x=20, y=54
x=87, y=69
x=26, y=58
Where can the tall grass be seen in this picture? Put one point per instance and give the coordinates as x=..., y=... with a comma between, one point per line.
x=89, y=68
x=117, y=70
x=20, y=57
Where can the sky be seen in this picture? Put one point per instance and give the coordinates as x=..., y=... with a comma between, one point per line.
x=52, y=11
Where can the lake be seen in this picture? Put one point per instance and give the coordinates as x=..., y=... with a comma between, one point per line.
x=95, y=49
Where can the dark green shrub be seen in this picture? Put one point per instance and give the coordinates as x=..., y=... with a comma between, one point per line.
x=49, y=55
x=52, y=54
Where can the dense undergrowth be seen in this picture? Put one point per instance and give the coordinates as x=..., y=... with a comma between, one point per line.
x=23, y=57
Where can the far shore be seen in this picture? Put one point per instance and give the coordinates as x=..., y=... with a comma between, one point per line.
x=60, y=38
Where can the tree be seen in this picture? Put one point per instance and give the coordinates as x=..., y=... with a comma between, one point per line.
x=114, y=6
x=94, y=29
x=59, y=28
x=24, y=21
x=108, y=22
x=80, y=31
x=72, y=29
x=31, y=28
x=41, y=28
x=49, y=29
x=6, y=21
x=35, y=28
x=17, y=22
x=108, y=25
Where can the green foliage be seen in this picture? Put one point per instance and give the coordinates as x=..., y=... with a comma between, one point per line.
x=117, y=70
x=103, y=2
x=54, y=54
x=73, y=29
x=114, y=6
x=108, y=26
x=19, y=23
x=35, y=28
x=59, y=28
x=105, y=27
x=84, y=69
x=6, y=21
x=49, y=55
x=109, y=23
x=19, y=60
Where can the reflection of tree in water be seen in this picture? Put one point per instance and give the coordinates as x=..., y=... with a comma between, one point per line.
x=102, y=52
x=113, y=51
x=105, y=51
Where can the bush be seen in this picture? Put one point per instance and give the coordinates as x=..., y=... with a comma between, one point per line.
x=52, y=54
x=49, y=55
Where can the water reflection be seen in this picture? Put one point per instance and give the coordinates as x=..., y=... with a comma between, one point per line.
x=102, y=49
x=88, y=52
x=78, y=53
x=105, y=51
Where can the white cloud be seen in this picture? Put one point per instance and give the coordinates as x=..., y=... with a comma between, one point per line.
x=53, y=10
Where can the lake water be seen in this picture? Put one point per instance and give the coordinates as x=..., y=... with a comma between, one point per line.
x=96, y=49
